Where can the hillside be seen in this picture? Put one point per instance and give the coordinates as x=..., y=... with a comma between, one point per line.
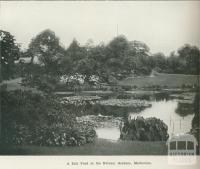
x=161, y=79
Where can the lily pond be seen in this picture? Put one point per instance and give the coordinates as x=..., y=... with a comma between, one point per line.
x=106, y=110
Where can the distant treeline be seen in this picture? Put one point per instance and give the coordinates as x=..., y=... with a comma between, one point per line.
x=116, y=60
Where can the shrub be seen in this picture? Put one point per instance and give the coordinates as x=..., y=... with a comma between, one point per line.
x=140, y=129
x=33, y=118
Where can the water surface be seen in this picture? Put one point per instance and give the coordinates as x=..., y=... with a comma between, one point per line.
x=166, y=110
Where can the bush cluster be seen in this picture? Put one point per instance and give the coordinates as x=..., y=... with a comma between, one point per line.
x=140, y=129
x=36, y=119
x=49, y=136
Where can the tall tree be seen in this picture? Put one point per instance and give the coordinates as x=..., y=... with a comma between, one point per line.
x=191, y=55
x=116, y=51
x=98, y=59
x=142, y=59
x=159, y=62
x=76, y=53
x=45, y=74
x=47, y=48
x=9, y=52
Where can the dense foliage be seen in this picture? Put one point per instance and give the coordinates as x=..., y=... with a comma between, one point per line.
x=140, y=129
x=33, y=118
x=185, y=61
x=44, y=70
x=9, y=52
x=108, y=63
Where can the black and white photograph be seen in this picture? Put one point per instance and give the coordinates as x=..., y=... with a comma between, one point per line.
x=99, y=78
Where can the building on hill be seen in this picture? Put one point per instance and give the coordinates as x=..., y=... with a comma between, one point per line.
x=27, y=60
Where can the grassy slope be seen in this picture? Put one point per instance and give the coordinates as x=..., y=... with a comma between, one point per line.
x=100, y=147
x=162, y=79
x=15, y=84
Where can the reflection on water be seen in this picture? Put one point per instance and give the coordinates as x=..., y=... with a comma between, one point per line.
x=108, y=133
x=166, y=111
x=176, y=114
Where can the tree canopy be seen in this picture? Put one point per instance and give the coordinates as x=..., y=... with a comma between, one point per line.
x=118, y=59
x=9, y=51
x=47, y=48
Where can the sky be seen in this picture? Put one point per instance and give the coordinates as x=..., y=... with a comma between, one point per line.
x=164, y=26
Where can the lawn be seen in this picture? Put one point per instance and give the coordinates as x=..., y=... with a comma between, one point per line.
x=15, y=84
x=100, y=147
x=161, y=79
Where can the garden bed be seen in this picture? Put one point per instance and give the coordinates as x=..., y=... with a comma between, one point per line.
x=100, y=121
x=80, y=100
